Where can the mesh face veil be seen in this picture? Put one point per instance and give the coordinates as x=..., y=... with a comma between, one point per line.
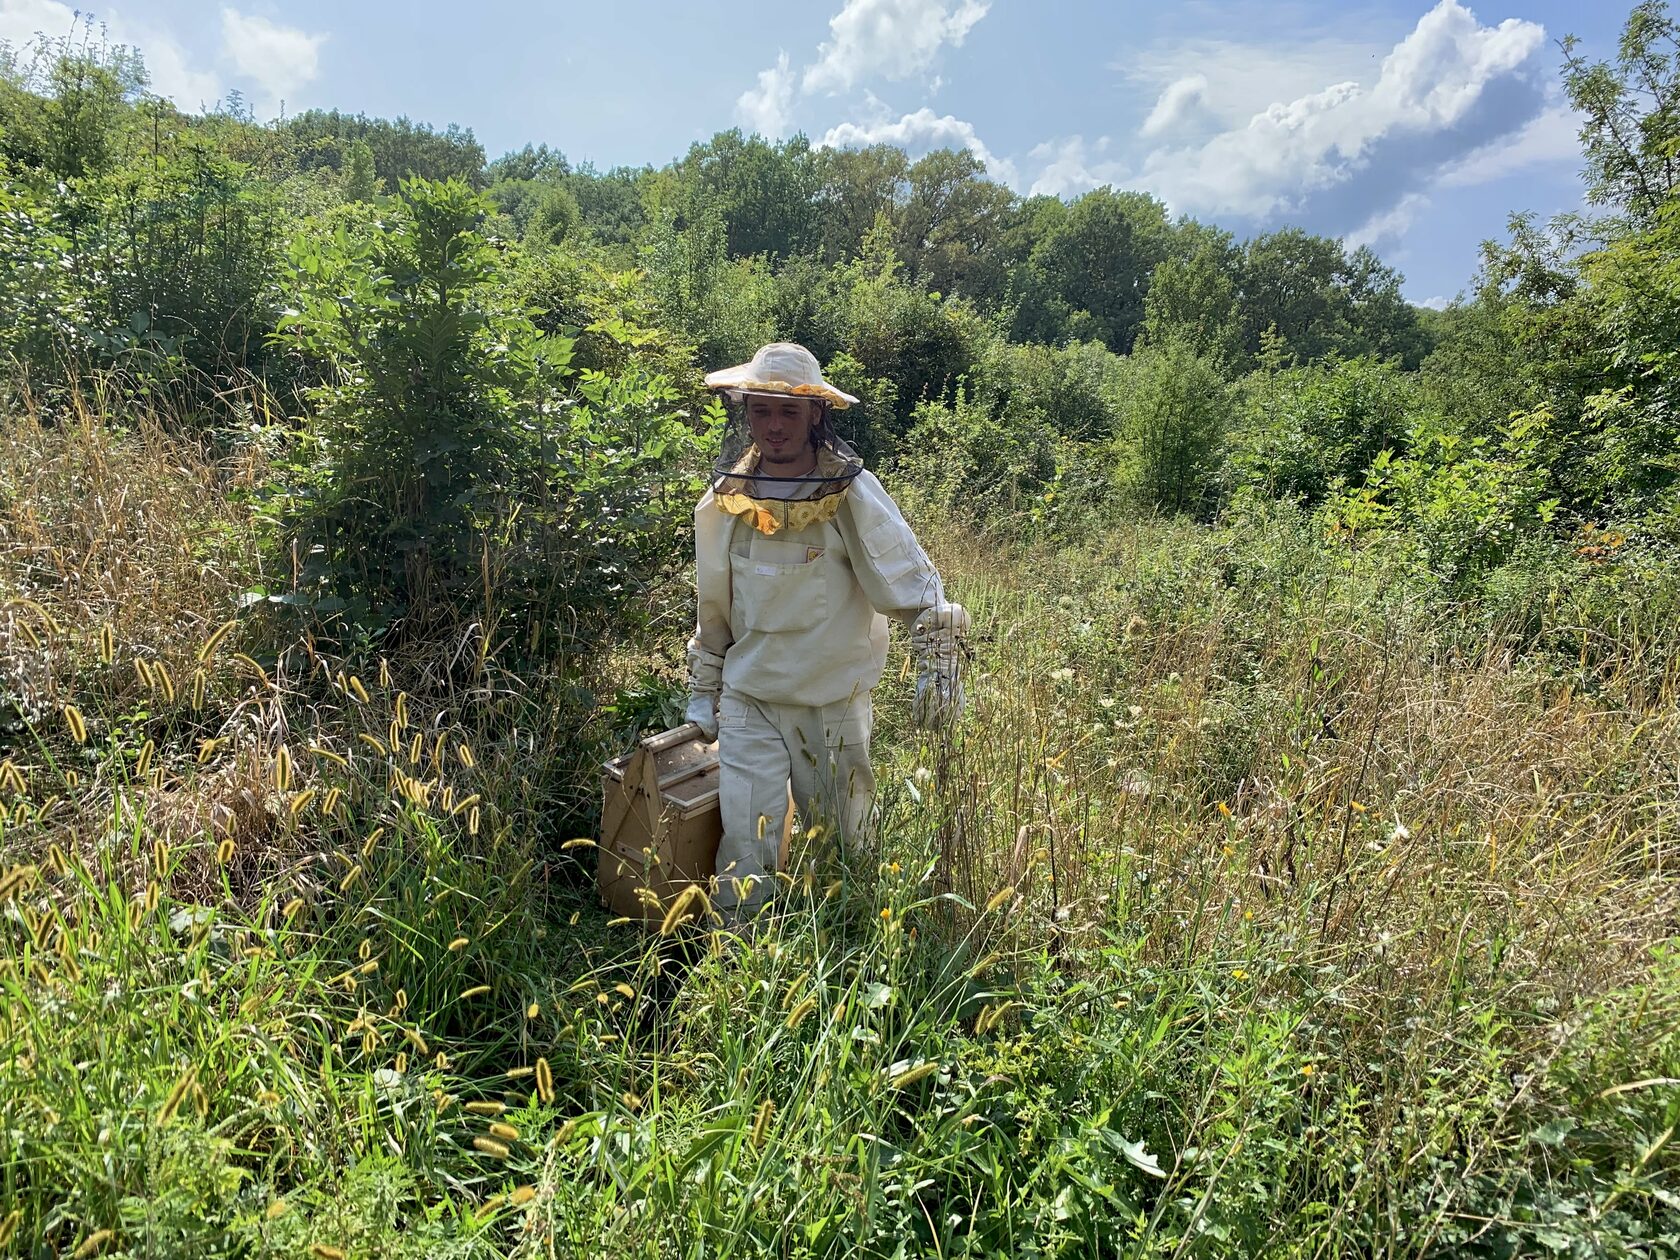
x=772, y=502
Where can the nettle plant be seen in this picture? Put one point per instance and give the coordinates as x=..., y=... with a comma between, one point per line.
x=450, y=439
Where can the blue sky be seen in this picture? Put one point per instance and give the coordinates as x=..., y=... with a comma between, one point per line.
x=1413, y=127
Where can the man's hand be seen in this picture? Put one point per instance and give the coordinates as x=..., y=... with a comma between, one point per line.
x=936, y=638
x=702, y=711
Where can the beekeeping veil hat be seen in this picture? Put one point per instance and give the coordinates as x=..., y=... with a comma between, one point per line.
x=774, y=503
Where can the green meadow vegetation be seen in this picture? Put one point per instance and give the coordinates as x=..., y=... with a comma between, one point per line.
x=1303, y=880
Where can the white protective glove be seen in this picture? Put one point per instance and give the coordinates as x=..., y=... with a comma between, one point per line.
x=705, y=685
x=936, y=639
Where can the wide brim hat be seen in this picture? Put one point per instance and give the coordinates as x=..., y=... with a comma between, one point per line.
x=780, y=368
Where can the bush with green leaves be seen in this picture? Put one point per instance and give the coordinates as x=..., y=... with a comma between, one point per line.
x=449, y=440
x=1172, y=415
x=1297, y=433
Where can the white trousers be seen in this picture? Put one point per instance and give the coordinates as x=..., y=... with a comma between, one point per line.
x=822, y=753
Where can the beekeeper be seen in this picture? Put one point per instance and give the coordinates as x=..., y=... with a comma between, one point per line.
x=801, y=556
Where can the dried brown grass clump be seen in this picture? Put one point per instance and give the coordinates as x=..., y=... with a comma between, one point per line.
x=1300, y=760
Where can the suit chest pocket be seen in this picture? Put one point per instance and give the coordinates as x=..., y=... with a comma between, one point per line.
x=775, y=598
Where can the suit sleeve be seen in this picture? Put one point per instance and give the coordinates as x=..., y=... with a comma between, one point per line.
x=712, y=634
x=895, y=573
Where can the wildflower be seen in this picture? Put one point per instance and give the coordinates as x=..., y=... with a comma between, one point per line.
x=1238, y=973
x=1400, y=832
x=886, y=915
x=1062, y=675
x=1307, y=1069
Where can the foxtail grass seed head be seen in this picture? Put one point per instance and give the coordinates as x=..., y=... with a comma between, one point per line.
x=300, y=802
x=910, y=1076
x=472, y=821
x=384, y=672
x=478, y=990
x=321, y=1251
x=506, y=1132
x=374, y=742
x=393, y=736
x=151, y=896
x=107, y=644
x=283, y=768
x=520, y=1073
x=210, y=645
x=797, y=1015
x=1001, y=897
x=72, y=778
x=458, y=944
x=276, y=1210
x=55, y=860
x=143, y=672
x=417, y=1041
x=761, y=1122
x=165, y=684
x=414, y=748
x=491, y=1147
x=8, y=1227
x=29, y=635
x=143, y=762
x=334, y=799
x=200, y=688
x=95, y=1243
x=402, y=711
x=439, y=746
x=207, y=749
x=78, y=727
x=485, y=1107
x=291, y=909
x=11, y=778
x=357, y=689
x=545, y=1082
x=464, y=754
x=402, y=1063
x=533, y=1010
x=177, y=1095
x=225, y=850
x=350, y=878
x=522, y=1195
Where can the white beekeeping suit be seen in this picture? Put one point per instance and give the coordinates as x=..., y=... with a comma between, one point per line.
x=796, y=577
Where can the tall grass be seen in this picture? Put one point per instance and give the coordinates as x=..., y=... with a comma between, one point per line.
x=1261, y=905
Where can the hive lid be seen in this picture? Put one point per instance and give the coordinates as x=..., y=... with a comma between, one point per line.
x=678, y=755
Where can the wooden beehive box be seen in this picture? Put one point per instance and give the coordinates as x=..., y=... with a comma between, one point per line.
x=660, y=824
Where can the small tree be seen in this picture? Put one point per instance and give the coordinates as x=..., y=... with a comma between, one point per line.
x=1172, y=403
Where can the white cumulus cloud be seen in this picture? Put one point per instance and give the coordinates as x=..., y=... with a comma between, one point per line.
x=278, y=59
x=168, y=66
x=918, y=133
x=1178, y=104
x=1550, y=138
x=888, y=39
x=1391, y=224
x=768, y=108
x=1449, y=87
x=1072, y=166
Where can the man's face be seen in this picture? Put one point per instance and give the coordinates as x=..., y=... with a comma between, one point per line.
x=781, y=428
